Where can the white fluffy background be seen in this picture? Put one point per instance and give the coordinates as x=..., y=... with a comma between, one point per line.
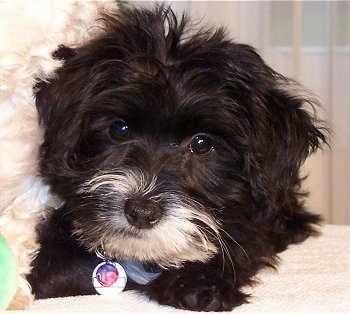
x=29, y=32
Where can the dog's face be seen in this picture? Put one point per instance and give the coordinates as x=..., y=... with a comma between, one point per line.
x=162, y=144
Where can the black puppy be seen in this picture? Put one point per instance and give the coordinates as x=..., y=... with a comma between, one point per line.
x=177, y=154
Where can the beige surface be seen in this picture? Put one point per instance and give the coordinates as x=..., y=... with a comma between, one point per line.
x=313, y=277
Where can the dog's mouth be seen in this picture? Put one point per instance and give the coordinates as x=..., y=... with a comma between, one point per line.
x=180, y=235
x=132, y=221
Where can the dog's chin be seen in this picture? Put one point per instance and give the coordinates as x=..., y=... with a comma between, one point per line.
x=156, y=248
x=185, y=232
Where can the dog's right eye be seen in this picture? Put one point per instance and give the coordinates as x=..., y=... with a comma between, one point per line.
x=119, y=129
x=201, y=144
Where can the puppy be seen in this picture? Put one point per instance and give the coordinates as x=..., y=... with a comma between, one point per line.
x=176, y=152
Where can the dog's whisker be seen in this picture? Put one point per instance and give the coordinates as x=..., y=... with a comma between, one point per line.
x=225, y=252
x=236, y=242
x=228, y=254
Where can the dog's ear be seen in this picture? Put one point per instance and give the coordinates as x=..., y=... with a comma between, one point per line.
x=280, y=124
x=282, y=130
x=284, y=134
x=56, y=101
x=43, y=86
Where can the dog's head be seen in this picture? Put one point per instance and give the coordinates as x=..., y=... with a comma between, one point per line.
x=165, y=142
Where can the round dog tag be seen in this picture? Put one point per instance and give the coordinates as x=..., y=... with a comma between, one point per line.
x=109, y=278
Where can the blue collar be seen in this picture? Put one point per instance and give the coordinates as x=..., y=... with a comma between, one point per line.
x=139, y=272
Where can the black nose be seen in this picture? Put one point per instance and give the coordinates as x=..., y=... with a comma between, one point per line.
x=141, y=213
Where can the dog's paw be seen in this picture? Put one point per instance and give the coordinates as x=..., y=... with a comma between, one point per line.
x=196, y=291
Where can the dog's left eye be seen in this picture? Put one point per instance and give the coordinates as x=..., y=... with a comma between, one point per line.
x=119, y=129
x=201, y=144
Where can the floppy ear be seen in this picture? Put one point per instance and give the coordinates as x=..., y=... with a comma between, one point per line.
x=280, y=125
x=55, y=99
x=283, y=135
x=43, y=87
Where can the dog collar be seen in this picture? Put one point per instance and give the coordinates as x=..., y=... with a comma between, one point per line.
x=110, y=277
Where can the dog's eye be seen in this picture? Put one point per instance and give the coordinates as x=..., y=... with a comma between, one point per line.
x=201, y=144
x=119, y=129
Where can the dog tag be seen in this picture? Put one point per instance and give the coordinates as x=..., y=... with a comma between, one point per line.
x=109, y=278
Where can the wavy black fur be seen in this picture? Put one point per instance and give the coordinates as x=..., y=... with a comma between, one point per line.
x=169, y=83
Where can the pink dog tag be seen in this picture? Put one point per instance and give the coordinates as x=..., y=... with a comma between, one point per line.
x=109, y=278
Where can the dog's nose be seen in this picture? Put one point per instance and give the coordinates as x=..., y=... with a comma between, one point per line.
x=141, y=213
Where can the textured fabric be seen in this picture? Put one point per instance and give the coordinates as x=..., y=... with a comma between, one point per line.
x=313, y=277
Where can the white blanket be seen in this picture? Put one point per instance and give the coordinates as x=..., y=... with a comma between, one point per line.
x=313, y=277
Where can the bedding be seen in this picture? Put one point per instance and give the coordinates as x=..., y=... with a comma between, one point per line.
x=313, y=277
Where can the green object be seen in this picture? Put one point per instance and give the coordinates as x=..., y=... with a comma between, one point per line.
x=122, y=4
x=7, y=274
